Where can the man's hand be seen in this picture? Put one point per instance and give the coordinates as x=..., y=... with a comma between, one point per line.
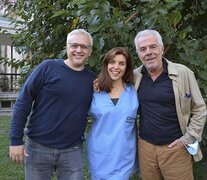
x=177, y=143
x=95, y=86
x=17, y=153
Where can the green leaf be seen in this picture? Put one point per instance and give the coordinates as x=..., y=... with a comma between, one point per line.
x=58, y=13
x=175, y=18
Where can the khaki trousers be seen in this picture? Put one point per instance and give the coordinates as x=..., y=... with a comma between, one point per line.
x=158, y=162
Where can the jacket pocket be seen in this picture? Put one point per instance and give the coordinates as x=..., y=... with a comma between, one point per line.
x=185, y=104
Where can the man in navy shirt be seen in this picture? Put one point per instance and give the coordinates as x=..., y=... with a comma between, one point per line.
x=53, y=105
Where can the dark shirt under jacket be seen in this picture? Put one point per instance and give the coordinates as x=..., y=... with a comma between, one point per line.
x=158, y=119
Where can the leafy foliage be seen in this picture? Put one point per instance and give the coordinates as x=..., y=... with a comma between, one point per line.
x=43, y=26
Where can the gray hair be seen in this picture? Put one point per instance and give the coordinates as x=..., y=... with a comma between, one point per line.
x=148, y=32
x=80, y=31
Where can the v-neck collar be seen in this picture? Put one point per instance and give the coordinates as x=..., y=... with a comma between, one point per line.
x=120, y=97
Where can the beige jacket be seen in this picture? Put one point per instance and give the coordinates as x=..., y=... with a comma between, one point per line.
x=190, y=105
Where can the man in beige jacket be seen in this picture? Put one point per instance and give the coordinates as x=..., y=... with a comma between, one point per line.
x=172, y=113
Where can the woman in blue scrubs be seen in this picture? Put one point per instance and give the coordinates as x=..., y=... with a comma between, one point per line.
x=111, y=142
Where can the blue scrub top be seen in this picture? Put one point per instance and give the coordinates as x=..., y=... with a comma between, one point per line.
x=111, y=142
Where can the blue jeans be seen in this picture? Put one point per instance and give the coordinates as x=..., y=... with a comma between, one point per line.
x=43, y=161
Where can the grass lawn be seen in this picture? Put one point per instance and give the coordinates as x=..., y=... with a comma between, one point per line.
x=9, y=170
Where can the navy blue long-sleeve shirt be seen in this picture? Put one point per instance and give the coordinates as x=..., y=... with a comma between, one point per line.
x=58, y=99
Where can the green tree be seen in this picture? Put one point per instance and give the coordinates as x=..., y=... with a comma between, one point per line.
x=43, y=26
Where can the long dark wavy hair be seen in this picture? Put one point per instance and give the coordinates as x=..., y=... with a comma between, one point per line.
x=104, y=80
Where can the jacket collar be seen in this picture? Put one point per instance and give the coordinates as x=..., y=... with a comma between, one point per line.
x=171, y=68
